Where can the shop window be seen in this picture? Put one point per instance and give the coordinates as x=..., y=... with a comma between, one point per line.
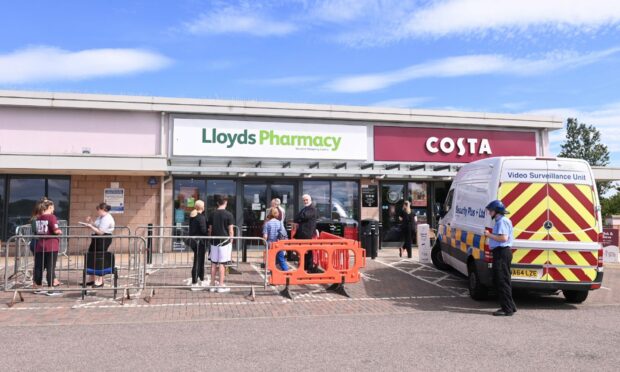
x=186, y=192
x=2, y=204
x=345, y=201
x=319, y=191
x=216, y=188
x=334, y=200
x=418, y=195
x=24, y=192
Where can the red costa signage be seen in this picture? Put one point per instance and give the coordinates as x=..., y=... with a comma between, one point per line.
x=449, y=145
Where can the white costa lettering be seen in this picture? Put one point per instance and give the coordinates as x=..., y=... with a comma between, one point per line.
x=447, y=145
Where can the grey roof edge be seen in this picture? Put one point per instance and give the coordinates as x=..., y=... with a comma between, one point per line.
x=237, y=107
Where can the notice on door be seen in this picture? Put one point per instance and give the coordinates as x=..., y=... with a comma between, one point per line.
x=369, y=196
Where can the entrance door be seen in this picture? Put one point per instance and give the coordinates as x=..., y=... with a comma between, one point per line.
x=286, y=193
x=254, y=203
x=257, y=200
x=392, y=198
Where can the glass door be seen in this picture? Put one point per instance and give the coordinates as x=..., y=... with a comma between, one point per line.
x=392, y=198
x=286, y=194
x=254, y=208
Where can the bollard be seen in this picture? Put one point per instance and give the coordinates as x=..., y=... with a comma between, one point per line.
x=244, y=250
x=149, y=244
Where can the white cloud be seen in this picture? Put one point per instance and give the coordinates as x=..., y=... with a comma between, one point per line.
x=242, y=19
x=482, y=64
x=405, y=102
x=605, y=118
x=43, y=63
x=443, y=18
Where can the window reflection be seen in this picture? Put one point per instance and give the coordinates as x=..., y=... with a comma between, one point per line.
x=319, y=191
x=22, y=195
x=221, y=187
x=345, y=200
x=186, y=192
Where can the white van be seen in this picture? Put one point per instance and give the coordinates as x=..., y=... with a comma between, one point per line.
x=555, y=211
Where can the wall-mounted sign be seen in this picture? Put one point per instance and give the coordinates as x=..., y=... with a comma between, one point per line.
x=449, y=145
x=370, y=195
x=115, y=198
x=257, y=139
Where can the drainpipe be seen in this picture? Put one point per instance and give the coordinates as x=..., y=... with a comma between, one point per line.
x=163, y=180
x=162, y=210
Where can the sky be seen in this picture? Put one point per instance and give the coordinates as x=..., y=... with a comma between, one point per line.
x=555, y=57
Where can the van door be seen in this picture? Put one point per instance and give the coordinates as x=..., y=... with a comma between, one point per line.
x=553, y=211
x=573, y=222
x=524, y=191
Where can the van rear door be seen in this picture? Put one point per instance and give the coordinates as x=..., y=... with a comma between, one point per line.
x=524, y=190
x=573, y=222
x=553, y=205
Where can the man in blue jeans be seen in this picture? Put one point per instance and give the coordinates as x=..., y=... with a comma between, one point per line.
x=500, y=243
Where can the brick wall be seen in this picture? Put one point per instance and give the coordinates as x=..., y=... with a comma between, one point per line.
x=141, y=199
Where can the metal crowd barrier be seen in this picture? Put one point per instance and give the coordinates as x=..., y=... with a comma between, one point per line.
x=172, y=269
x=124, y=267
x=176, y=242
x=24, y=231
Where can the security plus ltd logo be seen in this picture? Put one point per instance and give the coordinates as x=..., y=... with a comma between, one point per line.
x=270, y=137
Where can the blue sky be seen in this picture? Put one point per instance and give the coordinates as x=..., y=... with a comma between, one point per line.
x=558, y=57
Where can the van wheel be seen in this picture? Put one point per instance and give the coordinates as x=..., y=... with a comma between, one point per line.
x=575, y=297
x=477, y=290
x=437, y=258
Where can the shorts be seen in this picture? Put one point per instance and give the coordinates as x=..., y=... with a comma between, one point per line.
x=221, y=253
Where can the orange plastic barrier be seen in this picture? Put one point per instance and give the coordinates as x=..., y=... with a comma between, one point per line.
x=331, y=257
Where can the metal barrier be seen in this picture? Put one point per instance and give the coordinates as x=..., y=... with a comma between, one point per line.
x=176, y=239
x=170, y=270
x=124, y=264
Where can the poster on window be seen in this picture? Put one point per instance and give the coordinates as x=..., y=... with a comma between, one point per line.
x=417, y=191
x=187, y=197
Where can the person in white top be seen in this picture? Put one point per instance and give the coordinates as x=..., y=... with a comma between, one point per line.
x=103, y=225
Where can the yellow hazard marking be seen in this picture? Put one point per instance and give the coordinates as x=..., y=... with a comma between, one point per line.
x=586, y=214
x=587, y=191
x=568, y=221
x=527, y=221
x=520, y=253
x=506, y=188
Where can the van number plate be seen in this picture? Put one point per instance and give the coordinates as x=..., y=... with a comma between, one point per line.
x=525, y=273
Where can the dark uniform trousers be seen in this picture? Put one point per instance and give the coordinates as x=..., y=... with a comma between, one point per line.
x=502, y=257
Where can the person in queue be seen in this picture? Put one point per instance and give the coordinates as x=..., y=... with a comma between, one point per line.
x=36, y=212
x=273, y=230
x=46, y=249
x=306, y=228
x=221, y=224
x=198, y=227
x=102, y=229
x=407, y=223
x=500, y=243
x=276, y=203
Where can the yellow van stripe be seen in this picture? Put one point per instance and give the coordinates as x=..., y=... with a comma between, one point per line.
x=587, y=215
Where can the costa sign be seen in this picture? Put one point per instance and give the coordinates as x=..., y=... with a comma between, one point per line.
x=449, y=145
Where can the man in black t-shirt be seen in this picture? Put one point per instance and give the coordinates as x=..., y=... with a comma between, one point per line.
x=220, y=225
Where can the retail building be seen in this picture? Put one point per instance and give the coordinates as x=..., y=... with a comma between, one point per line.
x=152, y=157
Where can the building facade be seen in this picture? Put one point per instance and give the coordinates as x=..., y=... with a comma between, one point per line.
x=152, y=157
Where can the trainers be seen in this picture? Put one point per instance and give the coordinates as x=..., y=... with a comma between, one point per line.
x=223, y=290
x=196, y=287
x=54, y=293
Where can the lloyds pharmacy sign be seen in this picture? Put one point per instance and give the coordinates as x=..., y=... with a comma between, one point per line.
x=257, y=139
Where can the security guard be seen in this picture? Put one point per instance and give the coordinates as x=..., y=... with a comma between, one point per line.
x=500, y=243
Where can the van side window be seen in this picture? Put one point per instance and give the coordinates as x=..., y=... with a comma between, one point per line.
x=448, y=204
